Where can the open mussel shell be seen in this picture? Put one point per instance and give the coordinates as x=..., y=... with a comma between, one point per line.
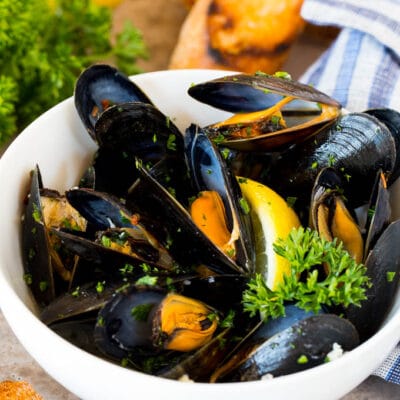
x=102, y=260
x=262, y=133
x=118, y=331
x=188, y=245
x=303, y=345
x=210, y=173
x=122, y=228
x=383, y=268
x=291, y=112
x=378, y=213
x=49, y=268
x=38, y=270
x=100, y=209
x=244, y=93
x=149, y=317
x=358, y=145
x=99, y=87
x=200, y=365
x=331, y=218
x=127, y=132
x=136, y=325
x=80, y=301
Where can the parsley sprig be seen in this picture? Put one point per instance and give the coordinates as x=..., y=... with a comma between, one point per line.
x=45, y=45
x=306, y=251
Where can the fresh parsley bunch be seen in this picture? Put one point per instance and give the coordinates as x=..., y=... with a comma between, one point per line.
x=44, y=45
x=345, y=284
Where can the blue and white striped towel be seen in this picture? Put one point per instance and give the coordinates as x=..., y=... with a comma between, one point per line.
x=361, y=70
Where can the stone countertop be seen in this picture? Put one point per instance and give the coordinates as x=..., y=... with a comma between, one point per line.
x=167, y=16
x=17, y=364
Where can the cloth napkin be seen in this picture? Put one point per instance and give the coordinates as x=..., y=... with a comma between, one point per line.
x=361, y=70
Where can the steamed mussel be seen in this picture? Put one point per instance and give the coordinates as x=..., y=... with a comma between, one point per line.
x=153, y=255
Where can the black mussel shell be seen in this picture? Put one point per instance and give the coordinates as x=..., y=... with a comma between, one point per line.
x=140, y=129
x=187, y=245
x=330, y=216
x=99, y=87
x=383, y=268
x=222, y=292
x=102, y=210
x=293, y=315
x=38, y=270
x=126, y=133
x=378, y=213
x=210, y=172
x=303, y=345
x=241, y=92
x=107, y=214
x=125, y=323
x=358, y=145
x=199, y=366
x=79, y=332
x=391, y=118
x=79, y=301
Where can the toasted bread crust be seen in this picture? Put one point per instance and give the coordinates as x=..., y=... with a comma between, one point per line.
x=242, y=35
x=18, y=390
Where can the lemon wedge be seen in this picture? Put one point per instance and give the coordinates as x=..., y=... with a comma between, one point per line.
x=272, y=218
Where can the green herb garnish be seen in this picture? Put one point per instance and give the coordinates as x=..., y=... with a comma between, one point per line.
x=244, y=205
x=303, y=359
x=171, y=142
x=291, y=201
x=147, y=280
x=345, y=283
x=106, y=241
x=100, y=287
x=141, y=312
x=44, y=45
x=124, y=218
x=227, y=322
x=283, y=75
x=390, y=276
x=43, y=286
x=28, y=278
x=225, y=152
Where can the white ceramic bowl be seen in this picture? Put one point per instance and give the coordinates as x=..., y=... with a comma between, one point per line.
x=58, y=142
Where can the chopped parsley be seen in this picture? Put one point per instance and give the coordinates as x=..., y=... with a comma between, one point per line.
x=303, y=359
x=171, y=142
x=76, y=292
x=291, y=201
x=283, y=75
x=36, y=214
x=141, y=312
x=28, y=278
x=390, y=275
x=147, y=280
x=244, y=205
x=43, y=286
x=100, y=287
x=227, y=322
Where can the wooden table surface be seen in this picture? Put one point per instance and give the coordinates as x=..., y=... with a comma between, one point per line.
x=167, y=16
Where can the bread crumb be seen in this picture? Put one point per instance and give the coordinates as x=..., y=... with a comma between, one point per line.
x=18, y=390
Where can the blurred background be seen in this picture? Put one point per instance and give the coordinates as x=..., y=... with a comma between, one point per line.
x=44, y=45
